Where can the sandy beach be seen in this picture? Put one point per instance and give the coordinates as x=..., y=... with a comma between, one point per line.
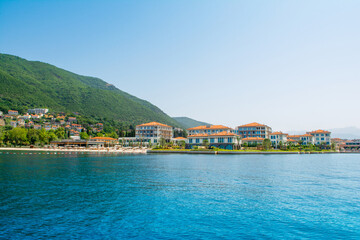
x=79, y=150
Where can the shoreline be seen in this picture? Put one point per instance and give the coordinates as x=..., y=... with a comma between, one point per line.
x=118, y=151
x=236, y=152
x=147, y=151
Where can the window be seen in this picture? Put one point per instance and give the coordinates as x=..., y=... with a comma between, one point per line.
x=220, y=140
x=212, y=140
x=190, y=140
x=197, y=140
x=229, y=140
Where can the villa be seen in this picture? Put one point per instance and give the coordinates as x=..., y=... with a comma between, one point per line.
x=321, y=136
x=254, y=130
x=13, y=113
x=277, y=138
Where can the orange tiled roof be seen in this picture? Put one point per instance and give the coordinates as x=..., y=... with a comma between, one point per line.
x=306, y=135
x=103, y=138
x=254, y=124
x=291, y=140
x=320, y=131
x=180, y=138
x=224, y=133
x=253, y=139
x=153, y=124
x=199, y=135
x=278, y=133
x=209, y=127
x=294, y=136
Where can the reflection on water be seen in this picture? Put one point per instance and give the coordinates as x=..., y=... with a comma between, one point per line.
x=180, y=196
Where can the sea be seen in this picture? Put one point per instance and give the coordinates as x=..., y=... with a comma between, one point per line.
x=179, y=196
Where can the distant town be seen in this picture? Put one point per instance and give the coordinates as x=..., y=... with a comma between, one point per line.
x=64, y=131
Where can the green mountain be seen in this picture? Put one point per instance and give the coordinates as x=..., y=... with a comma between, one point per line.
x=30, y=84
x=188, y=122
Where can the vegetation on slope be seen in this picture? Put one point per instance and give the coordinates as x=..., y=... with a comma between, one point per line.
x=29, y=84
x=188, y=122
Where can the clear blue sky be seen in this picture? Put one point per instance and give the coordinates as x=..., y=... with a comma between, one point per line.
x=293, y=65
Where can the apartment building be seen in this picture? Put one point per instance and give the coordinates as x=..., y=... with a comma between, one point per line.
x=254, y=130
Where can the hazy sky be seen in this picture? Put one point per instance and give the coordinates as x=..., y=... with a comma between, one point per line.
x=289, y=64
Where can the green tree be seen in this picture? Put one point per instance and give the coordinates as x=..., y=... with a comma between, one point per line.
x=162, y=142
x=60, y=133
x=43, y=136
x=33, y=136
x=51, y=136
x=18, y=136
x=205, y=142
x=84, y=135
x=266, y=144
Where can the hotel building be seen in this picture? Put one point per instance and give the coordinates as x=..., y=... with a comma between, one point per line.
x=254, y=130
x=153, y=132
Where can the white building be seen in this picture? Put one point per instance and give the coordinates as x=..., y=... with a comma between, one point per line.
x=321, y=136
x=277, y=137
x=38, y=110
x=153, y=132
x=253, y=130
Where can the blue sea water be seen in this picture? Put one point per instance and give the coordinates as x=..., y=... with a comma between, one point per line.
x=180, y=196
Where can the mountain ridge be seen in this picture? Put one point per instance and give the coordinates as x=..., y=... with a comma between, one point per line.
x=28, y=84
x=189, y=122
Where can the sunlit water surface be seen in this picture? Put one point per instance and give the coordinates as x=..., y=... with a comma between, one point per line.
x=180, y=196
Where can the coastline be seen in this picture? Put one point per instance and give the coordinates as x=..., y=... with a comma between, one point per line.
x=235, y=152
x=52, y=150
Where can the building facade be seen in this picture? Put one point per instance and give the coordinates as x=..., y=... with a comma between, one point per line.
x=224, y=140
x=152, y=132
x=253, y=140
x=321, y=137
x=254, y=130
x=278, y=138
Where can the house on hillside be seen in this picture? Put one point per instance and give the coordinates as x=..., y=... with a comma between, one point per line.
x=38, y=110
x=13, y=112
